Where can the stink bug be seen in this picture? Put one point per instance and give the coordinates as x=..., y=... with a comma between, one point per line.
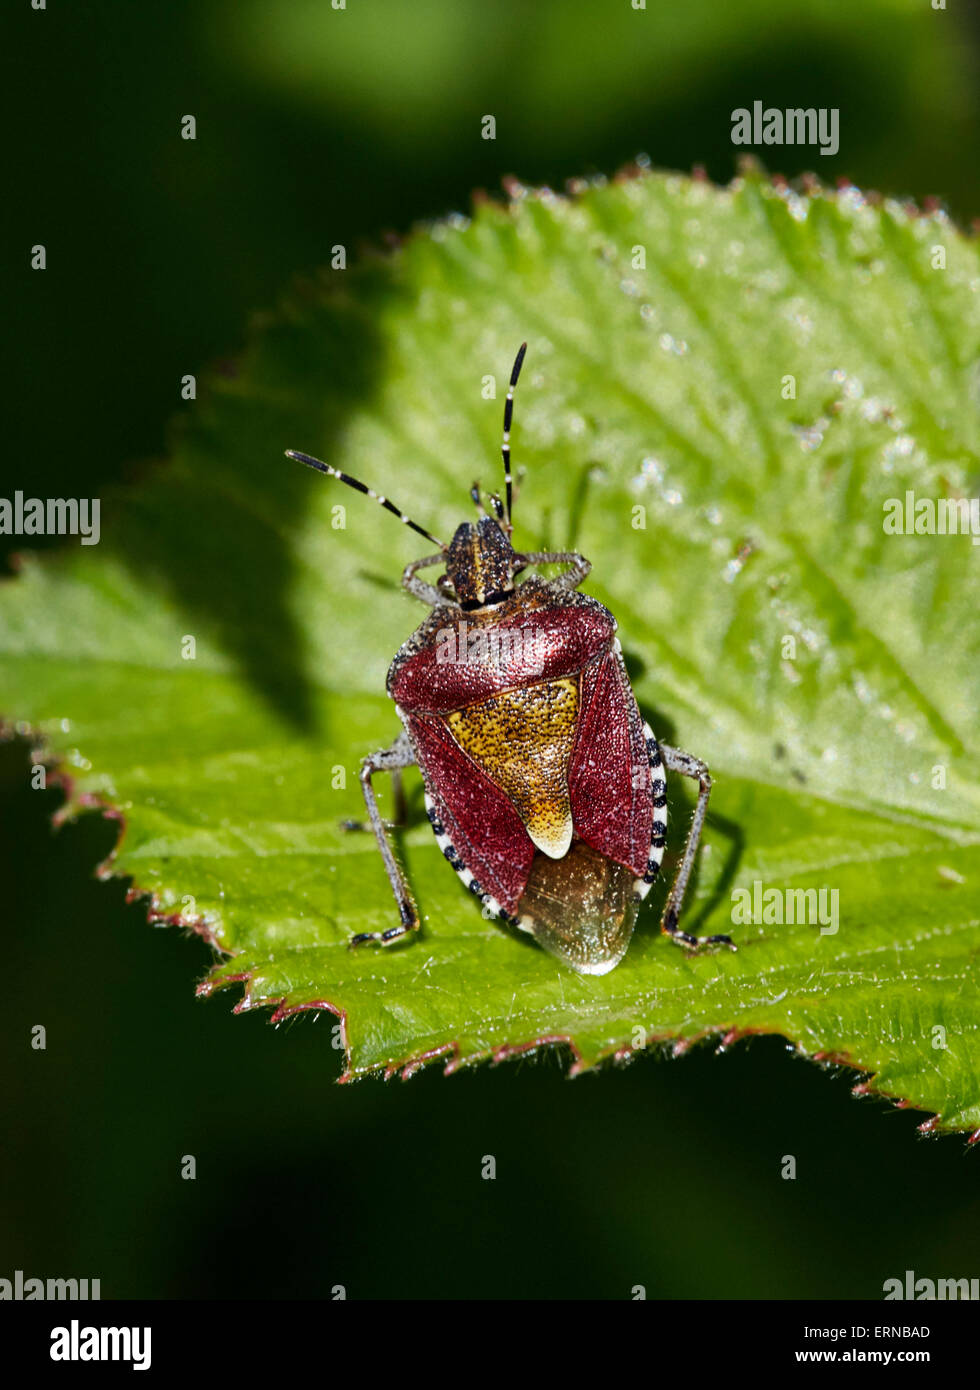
x=545, y=788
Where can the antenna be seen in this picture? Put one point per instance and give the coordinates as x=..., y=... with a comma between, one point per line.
x=508, y=414
x=361, y=487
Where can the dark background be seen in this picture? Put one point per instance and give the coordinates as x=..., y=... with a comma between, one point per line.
x=318, y=127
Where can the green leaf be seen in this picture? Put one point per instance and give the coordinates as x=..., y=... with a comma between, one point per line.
x=826, y=670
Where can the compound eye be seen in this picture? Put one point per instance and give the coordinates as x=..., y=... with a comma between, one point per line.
x=445, y=586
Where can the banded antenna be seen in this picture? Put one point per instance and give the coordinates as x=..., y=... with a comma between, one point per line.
x=362, y=487
x=508, y=415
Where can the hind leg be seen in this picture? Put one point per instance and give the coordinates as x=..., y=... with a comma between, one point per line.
x=392, y=760
x=688, y=766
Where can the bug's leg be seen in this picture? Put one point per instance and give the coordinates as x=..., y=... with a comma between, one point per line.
x=400, y=816
x=418, y=588
x=399, y=813
x=676, y=761
x=391, y=760
x=578, y=566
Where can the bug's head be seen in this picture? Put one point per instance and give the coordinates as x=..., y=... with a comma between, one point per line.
x=480, y=560
x=481, y=563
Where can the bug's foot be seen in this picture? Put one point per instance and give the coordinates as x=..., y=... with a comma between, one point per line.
x=692, y=943
x=409, y=924
x=377, y=938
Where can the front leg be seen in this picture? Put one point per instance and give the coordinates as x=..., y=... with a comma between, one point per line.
x=392, y=760
x=676, y=761
x=578, y=565
x=428, y=593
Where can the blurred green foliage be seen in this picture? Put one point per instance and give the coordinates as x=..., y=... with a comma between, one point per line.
x=318, y=127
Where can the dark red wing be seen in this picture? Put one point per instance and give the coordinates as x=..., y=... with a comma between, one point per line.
x=559, y=642
x=609, y=772
x=483, y=827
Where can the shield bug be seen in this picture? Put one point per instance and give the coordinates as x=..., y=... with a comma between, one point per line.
x=545, y=789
